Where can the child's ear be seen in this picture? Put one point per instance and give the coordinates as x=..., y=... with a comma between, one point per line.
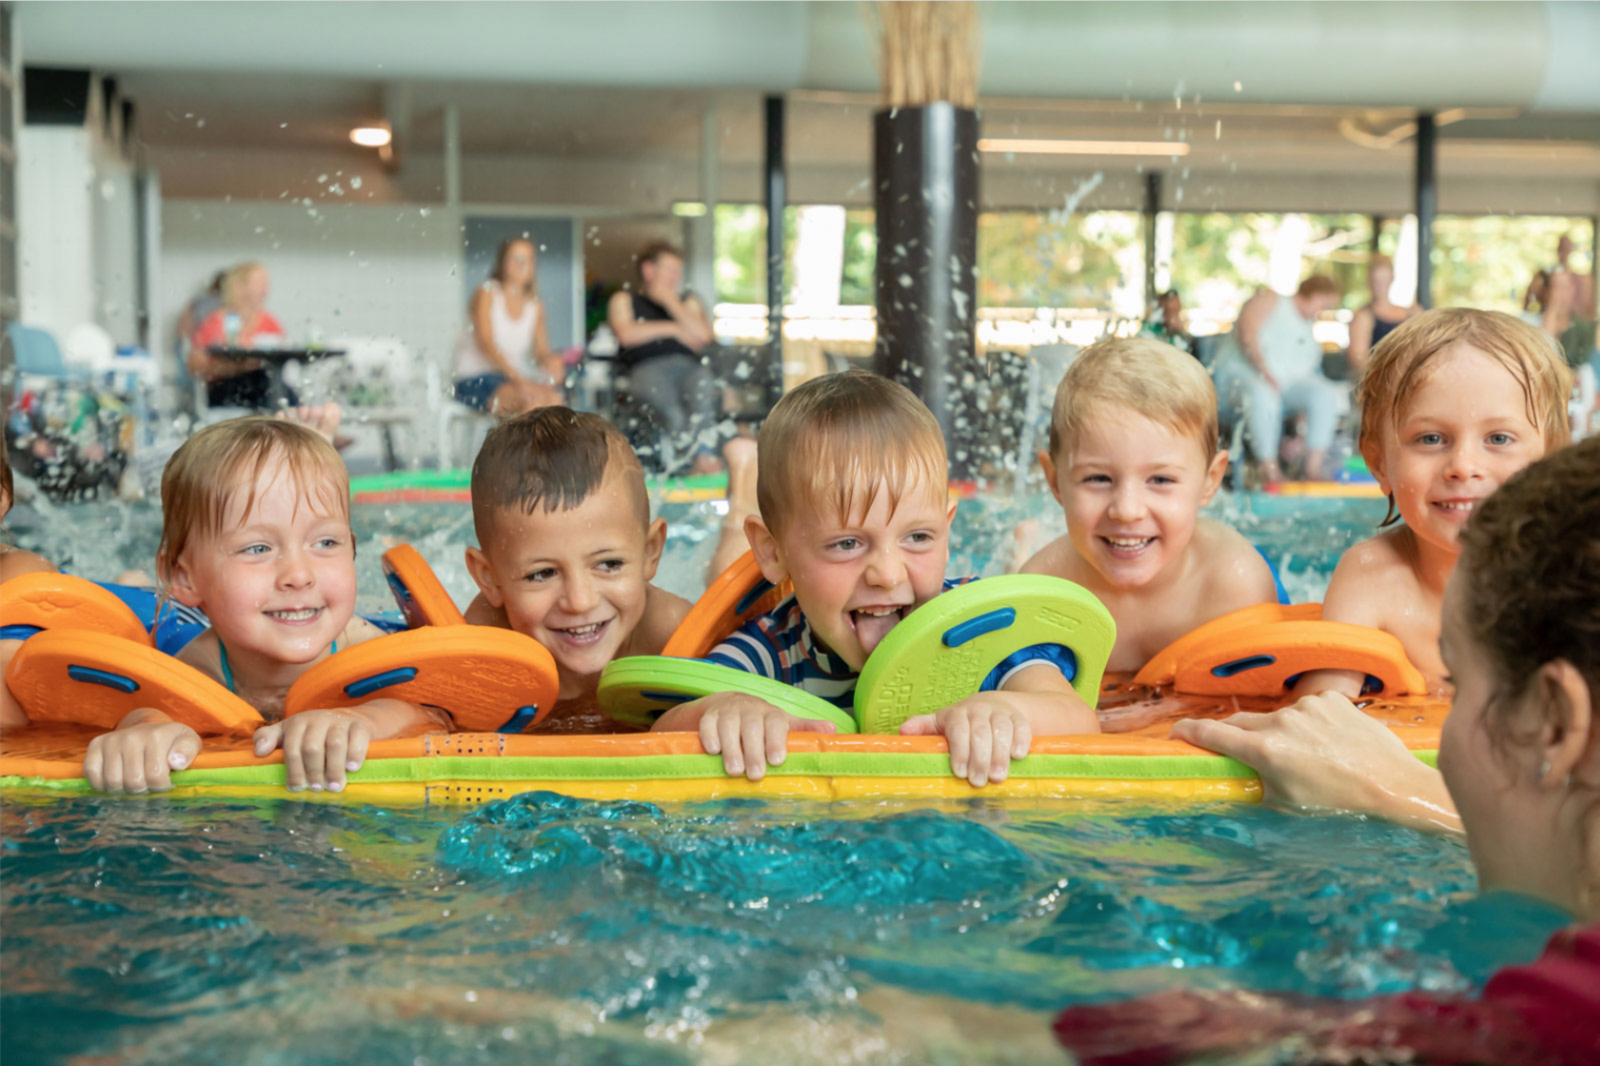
x=478, y=566
x=765, y=546
x=1372, y=452
x=1214, y=472
x=180, y=583
x=950, y=515
x=655, y=540
x=1048, y=465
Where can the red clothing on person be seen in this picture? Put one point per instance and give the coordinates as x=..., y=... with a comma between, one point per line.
x=214, y=330
x=1546, y=1013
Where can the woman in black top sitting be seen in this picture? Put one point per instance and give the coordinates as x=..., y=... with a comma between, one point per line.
x=661, y=330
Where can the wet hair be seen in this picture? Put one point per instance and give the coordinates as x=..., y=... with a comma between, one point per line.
x=835, y=440
x=1144, y=375
x=8, y=490
x=206, y=475
x=1319, y=285
x=499, y=271
x=1401, y=362
x=552, y=458
x=1530, y=573
x=649, y=252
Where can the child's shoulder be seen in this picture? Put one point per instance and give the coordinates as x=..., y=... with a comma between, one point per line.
x=1227, y=558
x=1374, y=579
x=204, y=654
x=1387, y=553
x=359, y=631
x=663, y=612
x=14, y=562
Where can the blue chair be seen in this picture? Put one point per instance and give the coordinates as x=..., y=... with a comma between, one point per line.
x=36, y=353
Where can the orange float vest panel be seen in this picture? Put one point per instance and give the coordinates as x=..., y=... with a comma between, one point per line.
x=1163, y=668
x=95, y=679
x=419, y=593
x=60, y=601
x=739, y=594
x=489, y=679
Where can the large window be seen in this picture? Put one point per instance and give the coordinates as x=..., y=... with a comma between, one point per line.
x=1045, y=259
x=741, y=250
x=1487, y=261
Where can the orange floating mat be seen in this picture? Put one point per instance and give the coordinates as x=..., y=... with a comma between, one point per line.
x=1257, y=651
x=95, y=679
x=421, y=596
x=487, y=678
x=61, y=601
x=1163, y=668
x=739, y=594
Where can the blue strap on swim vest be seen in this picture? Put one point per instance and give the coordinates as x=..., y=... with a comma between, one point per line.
x=1283, y=593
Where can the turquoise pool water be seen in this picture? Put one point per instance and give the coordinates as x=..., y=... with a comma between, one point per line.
x=546, y=929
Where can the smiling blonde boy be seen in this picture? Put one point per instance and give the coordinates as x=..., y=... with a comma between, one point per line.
x=855, y=514
x=1133, y=458
x=568, y=548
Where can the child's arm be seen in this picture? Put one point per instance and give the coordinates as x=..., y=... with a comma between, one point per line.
x=1352, y=597
x=140, y=754
x=320, y=747
x=749, y=733
x=985, y=732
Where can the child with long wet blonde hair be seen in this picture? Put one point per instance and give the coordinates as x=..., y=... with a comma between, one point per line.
x=256, y=533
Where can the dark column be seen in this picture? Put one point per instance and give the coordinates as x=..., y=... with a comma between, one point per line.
x=1377, y=231
x=1152, y=207
x=925, y=172
x=777, y=197
x=1427, y=205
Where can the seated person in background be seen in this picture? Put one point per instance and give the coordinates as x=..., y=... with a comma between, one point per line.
x=1520, y=754
x=1271, y=365
x=1379, y=318
x=662, y=331
x=855, y=513
x=256, y=533
x=503, y=359
x=1167, y=325
x=14, y=562
x=1133, y=458
x=241, y=322
x=567, y=547
x=1453, y=402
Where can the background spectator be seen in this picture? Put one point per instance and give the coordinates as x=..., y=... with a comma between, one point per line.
x=503, y=363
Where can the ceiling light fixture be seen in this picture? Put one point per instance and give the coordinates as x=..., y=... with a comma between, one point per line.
x=371, y=136
x=1020, y=146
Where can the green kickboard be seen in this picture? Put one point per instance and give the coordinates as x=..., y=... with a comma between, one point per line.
x=640, y=688
x=942, y=652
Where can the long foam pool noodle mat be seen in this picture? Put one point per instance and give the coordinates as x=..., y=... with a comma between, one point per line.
x=945, y=650
x=638, y=690
x=94, y=679
x=487, y=678
x=38, y=601
x=665, y=767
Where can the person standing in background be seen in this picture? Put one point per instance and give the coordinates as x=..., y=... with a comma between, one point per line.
x=1376, y=320
x=662, y=330
x=503, y=362
x=1167, y=325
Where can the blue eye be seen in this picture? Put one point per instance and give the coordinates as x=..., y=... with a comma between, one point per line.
x=845, y=544
x=1430, y=438
x=257, y=549
x=1501, y=439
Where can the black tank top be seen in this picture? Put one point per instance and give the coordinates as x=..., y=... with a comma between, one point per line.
x=647, y=310
x=1381, y=328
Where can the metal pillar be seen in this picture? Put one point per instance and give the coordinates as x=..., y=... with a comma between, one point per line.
x=925, y=175
x=1377, y=231
x=1152, y=207
x=1427, y=204
x=702, y=229
x=452, y=155
x=776, y=186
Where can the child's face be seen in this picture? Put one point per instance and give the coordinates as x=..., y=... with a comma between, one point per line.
x=1132, y=490
x=278, y=580
x=574, y=580
x=1465, y=432
x=855, y=578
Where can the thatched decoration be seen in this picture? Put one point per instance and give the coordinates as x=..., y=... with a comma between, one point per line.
x=927, y=51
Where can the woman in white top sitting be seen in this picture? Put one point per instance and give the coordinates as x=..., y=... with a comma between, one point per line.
x=504, y=364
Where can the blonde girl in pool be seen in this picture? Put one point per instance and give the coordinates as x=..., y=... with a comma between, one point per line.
x=1520, y=754
x=256, y=533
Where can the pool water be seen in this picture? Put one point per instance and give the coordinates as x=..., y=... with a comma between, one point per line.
x=549, y=929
